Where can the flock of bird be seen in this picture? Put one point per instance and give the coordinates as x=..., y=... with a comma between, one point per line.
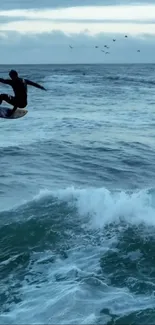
x=105, y=46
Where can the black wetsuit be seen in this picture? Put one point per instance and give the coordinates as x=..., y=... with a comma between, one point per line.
x=20, y=90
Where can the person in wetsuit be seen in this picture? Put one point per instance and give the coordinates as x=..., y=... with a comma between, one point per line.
x=19, y=86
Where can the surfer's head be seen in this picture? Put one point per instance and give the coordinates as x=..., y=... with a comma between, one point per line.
x=13, y=74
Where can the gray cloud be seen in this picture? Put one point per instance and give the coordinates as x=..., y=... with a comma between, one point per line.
x=130, y=13
x=16, y=4
x=54, y=48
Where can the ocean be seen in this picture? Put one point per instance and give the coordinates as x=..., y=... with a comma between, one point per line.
x=77, y=197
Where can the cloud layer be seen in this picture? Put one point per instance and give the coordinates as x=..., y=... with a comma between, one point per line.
x=53, y=29
x=94, y=13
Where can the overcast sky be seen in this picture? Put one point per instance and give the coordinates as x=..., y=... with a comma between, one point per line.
x=40, y=31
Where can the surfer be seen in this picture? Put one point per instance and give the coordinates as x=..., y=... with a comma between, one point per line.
x=19, y=86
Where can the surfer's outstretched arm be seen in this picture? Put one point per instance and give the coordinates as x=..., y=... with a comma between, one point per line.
x=5, y=81
x=34, y=84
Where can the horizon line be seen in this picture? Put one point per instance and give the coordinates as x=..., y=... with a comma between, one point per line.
x=92, y=63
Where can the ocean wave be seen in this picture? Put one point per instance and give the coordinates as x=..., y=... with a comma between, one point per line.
x=104, y=206
x=76, y=76
x=131, y=79
x=92, y=244
x=101, y=205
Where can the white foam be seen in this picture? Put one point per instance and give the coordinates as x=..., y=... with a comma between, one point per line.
x=103, y=206
x=70, y=290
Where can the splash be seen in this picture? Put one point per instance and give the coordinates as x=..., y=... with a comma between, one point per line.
x=104, y=206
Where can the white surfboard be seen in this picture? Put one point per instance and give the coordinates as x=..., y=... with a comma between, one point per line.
x=4, y=112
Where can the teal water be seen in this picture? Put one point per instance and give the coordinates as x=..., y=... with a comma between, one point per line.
x=77, y=198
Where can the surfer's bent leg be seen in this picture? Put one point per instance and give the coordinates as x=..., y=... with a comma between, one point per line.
x=8, y=99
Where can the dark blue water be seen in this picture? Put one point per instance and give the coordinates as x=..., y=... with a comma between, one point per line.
x=77, y=190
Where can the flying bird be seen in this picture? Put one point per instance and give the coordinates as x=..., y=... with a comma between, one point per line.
x=71, y=47
x=126, y=36
x=138, y=50
x=114, y=40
